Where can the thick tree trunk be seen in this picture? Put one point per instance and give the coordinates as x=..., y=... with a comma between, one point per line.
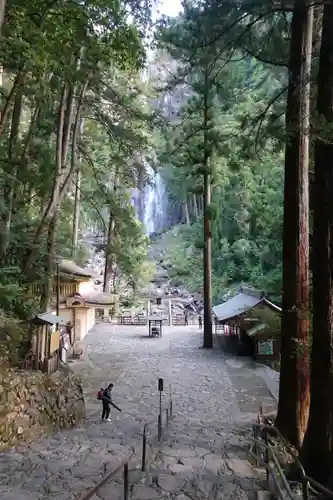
x=317, y=449
x=207, y=259
x=294, y=394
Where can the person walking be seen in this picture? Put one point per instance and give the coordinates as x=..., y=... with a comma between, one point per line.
x=106, y=399
x=200, y=322
x=186, y=318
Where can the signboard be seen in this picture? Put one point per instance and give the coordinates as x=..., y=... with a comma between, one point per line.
x=265, y=347
x=54, y=341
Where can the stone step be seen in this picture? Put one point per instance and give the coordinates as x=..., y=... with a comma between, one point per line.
x=265, y=495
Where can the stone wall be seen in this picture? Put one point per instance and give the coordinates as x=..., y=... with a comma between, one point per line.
x=33, y=404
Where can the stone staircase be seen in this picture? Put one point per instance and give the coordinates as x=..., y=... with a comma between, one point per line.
x=191, y=464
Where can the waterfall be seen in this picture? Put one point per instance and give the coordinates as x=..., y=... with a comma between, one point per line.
x=151, y=203
x=155, y=210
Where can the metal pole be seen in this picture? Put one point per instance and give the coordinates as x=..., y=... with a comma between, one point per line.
x=58, y=292
x=256, y=449
x=167, y=416
x=126, y=481
x=159, y=428
x=266, y=455
x=144, y=445
x=161, y=403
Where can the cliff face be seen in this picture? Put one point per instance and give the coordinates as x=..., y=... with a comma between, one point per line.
x=33, y=404
x=152, y=199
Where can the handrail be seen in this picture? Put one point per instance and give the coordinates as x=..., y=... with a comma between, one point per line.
x=90, y=493
x=125, y=461
x=270, y=456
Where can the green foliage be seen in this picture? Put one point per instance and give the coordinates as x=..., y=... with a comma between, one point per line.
x=81, y=64
x=245, y=144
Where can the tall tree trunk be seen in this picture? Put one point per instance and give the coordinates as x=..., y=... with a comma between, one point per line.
x=18, y=82
x=317, y=449
x=49, y=210
x=10, y=184
x=109, y=255
x=49, y=264
x=201, y=204
x=63, y=175
x=186, y=212
x=195, y=207
x=76, y=218
x=78, y=130
x=2, y=13
x=207, y=258
x=294, y=393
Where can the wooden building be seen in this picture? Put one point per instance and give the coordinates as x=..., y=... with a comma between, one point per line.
x=45, y=343
x=78, y=300
x=249, y=324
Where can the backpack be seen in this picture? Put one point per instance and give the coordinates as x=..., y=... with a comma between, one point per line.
x=100, y=394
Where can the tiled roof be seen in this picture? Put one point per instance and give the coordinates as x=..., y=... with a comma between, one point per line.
x=69, y=267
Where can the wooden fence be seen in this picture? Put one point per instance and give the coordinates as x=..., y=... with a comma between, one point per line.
x=132, y=320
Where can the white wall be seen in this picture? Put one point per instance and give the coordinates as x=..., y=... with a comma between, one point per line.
x=86, y=286
x=82, y=317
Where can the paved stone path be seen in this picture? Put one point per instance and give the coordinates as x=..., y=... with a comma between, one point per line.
x=214, y=397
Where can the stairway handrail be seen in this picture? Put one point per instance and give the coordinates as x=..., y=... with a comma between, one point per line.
x=306, y=481
x=167, y=408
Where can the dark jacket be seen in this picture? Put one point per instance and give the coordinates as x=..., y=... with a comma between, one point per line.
x=107, y=397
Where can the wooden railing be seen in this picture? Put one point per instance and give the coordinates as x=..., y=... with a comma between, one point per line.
x=67, y=289
x=132, y=320
x=265, y=454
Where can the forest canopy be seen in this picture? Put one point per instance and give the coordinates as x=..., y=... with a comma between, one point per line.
x=74, y=137
x=246, y=147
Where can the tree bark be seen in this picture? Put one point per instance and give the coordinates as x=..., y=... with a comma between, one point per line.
x=207, y=257
x=2, y=13
x=195, y=207
x=294, y=393
x=10, y=184
x=186, y=211
x=109, y=256
x=317, y=450
x=19, y=80
x=49, y=264
x=78, y=130
x=76, y=215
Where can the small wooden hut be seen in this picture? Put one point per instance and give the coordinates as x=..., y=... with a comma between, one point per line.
x=249, y=324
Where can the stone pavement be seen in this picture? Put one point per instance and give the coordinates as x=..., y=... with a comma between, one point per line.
x=202, y=456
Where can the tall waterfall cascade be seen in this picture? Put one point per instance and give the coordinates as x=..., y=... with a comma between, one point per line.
x=151, y=203
x=156, y=204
